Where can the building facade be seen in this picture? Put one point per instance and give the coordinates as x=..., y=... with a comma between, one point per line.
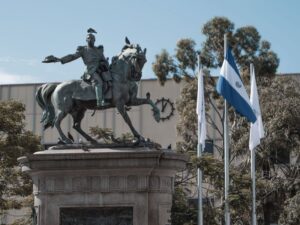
x=142, y=118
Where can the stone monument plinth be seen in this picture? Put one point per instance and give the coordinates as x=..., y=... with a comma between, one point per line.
x=103, y=186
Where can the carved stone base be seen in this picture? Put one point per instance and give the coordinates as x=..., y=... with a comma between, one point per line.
x=109, y=186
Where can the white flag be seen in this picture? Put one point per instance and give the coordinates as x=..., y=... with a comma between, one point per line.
x=256, y=128
x=201, y=109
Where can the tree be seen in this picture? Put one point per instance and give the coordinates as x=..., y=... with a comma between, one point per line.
x=280, y=103
x=15, y=141
x=182, y=213
x=183, y=65
x=291, y=212
x=246, y=44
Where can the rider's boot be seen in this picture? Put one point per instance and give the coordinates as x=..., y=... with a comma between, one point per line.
x=99, y=96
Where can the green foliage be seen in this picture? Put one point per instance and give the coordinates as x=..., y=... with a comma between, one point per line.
x=291, y=211
x=182, y=214
x=246, y=44
x=247, y=40
x=240, y=187
x=280, y=106
x=104, y=134
x=186, y=128
x=164, y=66
x=15, y=141
x=23, y=221
x=182, y=65
x=27, y=218
x=186, y=56
x=267, y=60
x=107, y=135
x=212, y=53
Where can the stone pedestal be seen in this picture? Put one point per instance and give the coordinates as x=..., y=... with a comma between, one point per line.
x=103, y=186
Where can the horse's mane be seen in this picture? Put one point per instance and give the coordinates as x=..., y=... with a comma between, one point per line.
x=131, y=46
x=125, y=47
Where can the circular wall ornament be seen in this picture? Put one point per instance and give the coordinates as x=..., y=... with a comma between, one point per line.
x=166, y=108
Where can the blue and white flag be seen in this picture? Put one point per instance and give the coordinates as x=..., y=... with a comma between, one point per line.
x=256, y=128
x=231, y=87
x=201, y=109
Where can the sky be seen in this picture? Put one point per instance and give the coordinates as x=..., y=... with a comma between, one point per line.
x=34, y=29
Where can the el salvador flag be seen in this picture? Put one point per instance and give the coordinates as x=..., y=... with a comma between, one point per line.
x=231, y=87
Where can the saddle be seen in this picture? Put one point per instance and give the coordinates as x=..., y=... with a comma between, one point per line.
x=86, y=91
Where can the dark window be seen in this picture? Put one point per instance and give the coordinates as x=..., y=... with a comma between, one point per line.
x=209, y=146
x=193, y=202
x=96, y=215
x=271, y=214
x=281, y=156
x=266, y=171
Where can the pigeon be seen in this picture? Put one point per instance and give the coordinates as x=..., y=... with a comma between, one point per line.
x=127, y=41
x=91, y=30
x=83, y=146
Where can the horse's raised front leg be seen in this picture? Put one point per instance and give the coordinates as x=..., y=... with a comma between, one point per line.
x=122, y=111
x=59, y=117
x=77, y=118
x=142, y=101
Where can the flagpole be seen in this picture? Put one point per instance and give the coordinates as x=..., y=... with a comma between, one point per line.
x=253, y=169
x=199, y=171
x=226, y=151
x=253, y=187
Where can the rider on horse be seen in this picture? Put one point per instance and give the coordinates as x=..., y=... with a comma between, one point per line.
x=58, y=100
x=97, y=66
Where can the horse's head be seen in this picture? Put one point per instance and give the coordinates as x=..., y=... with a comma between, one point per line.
x=135, y=58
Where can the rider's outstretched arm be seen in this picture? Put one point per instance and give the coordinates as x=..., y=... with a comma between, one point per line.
x=71, y=57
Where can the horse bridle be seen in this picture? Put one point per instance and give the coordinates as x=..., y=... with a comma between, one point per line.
x=132, y=60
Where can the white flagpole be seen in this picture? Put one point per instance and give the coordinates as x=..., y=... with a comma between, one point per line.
x=226, y=152
x=199, y=171
x=253, y=187
x=253, y=168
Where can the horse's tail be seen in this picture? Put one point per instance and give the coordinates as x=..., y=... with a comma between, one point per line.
x=43, y=98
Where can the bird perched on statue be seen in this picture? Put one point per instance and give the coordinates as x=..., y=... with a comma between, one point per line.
x=127, y=40
x=91, y=30
x=83, y=147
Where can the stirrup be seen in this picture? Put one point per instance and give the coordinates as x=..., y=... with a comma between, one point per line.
x=102, y=103
x=99, y=103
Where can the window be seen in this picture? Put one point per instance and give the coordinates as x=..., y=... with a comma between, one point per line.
x=209, y=146
x=281, y=156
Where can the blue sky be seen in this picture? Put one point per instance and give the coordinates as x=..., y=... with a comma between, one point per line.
x=33, y=29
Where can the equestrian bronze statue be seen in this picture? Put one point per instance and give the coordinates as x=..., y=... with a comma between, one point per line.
x=96, y=72
x=76, y=96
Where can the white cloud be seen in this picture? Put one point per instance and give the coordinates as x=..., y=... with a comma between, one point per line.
x=8, y=78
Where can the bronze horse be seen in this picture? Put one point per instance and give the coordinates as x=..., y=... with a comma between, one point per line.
x=58, y=100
